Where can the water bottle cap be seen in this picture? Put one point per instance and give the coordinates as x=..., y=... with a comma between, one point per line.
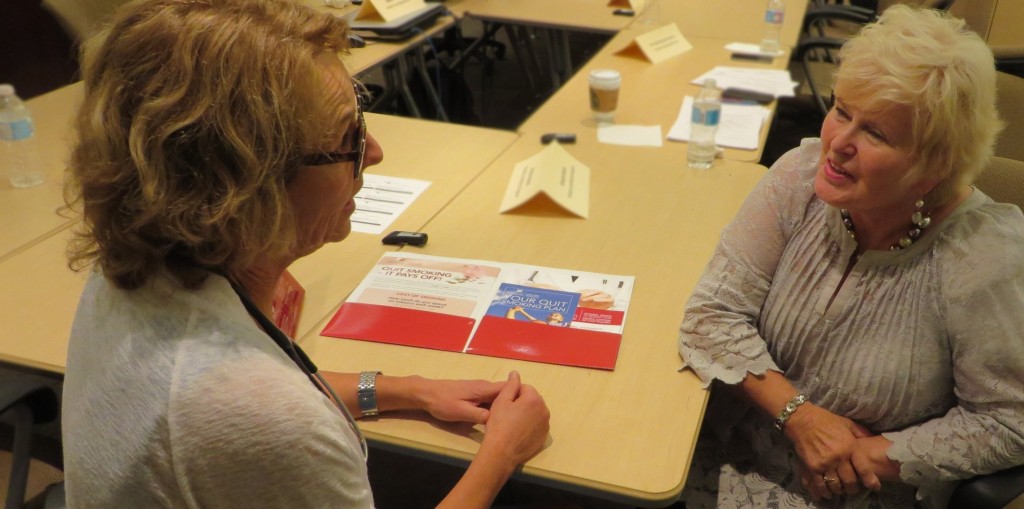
x=6, y=89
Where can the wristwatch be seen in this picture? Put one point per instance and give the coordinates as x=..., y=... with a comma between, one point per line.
x=366, y=391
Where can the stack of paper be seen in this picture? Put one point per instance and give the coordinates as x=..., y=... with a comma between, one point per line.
x=754, y=50
x=739, y=126
x=770, y=81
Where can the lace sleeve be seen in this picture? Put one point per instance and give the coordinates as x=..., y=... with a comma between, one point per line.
x=718, y=337
x=984, y=432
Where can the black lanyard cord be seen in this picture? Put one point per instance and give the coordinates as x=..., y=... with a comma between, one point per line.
x=299, y=357
x=293, y=351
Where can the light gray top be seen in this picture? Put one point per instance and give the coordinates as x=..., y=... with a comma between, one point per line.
x=175, y=398
x=925, y=344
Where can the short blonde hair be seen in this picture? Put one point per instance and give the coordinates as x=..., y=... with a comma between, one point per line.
x=929, y=61
x=195, y=114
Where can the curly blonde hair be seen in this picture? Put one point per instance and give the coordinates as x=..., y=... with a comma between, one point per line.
x=195, y=114
x=932, y=62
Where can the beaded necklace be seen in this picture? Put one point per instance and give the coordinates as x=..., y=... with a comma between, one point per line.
x=919, y=221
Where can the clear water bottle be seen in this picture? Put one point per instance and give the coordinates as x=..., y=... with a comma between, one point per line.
x=773, y=17
x=707, y=108
x=17, y=141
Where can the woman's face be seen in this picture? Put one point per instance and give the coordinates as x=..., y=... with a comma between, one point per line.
x=323, y=196
x=864, y=158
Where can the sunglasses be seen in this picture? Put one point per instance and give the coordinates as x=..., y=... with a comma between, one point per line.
x=345, y=156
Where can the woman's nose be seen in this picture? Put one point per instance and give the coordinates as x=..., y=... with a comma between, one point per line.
x=374, y=153
x=843, y=141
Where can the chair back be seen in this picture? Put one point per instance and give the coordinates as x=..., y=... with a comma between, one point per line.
x=1003, y=181
x=24, y=403
x=1010, y=101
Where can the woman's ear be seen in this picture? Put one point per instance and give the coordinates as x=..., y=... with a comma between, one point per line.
x=925, y=186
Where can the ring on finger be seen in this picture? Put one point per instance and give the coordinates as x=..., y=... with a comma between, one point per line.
x=829, y=480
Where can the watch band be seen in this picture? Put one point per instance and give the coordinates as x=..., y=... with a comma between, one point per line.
x=366, y=391
x=787, y=411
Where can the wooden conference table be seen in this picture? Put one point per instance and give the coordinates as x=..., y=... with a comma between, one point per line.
x=580, y=15
x=40, y=293
x=29, y=215
x=732, y=20
x=651, y=94
x=627, y=434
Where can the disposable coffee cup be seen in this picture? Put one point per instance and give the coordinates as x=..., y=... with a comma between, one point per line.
x=604, y=93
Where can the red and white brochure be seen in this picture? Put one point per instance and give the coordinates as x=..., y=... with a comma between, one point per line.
x=497, y=309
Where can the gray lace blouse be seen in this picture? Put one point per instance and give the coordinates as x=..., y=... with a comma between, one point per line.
x=923, y=345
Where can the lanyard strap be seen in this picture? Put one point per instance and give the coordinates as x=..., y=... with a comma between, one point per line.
x=300, y=358
x=293, y=351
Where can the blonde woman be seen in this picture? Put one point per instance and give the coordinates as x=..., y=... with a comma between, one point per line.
x=860, y=321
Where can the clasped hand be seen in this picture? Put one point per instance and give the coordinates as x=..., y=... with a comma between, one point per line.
x=515, y=414
x=838, y=456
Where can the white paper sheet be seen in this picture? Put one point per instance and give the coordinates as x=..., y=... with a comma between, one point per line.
x=771, y=81
x=634, y=135
x=739, y=126
x=382, y=199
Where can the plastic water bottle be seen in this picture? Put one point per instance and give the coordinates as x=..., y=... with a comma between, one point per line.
x=773, y=17
x=707, y=108
x=17, y=150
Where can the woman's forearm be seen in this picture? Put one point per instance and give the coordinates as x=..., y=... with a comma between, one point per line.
x=393, y=392
x=770, y=392
x=481, y=483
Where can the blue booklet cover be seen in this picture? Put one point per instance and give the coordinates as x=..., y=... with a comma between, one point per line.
x=537, y=305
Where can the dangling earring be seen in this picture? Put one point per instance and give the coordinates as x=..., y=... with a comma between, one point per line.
x=919, y=221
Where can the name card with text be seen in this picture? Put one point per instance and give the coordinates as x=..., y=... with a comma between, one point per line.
x=387, y=10
x=657, y=45
x=553, y=173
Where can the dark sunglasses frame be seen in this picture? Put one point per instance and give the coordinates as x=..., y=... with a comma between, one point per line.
x=356, y=156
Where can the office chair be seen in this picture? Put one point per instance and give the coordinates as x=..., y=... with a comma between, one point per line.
x=1010, y=101
x=826, y=26
x=1003, y=181
x=27, y=403
x=817, y=56
x=818, y=59
x=837, y=19
x=992, y=491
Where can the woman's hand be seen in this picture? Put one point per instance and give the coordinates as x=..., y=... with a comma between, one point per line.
x=826, y=443
x=518, y=424
x=516, y=429
x=813, y=484
x=458, y=400
x=871, y=453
